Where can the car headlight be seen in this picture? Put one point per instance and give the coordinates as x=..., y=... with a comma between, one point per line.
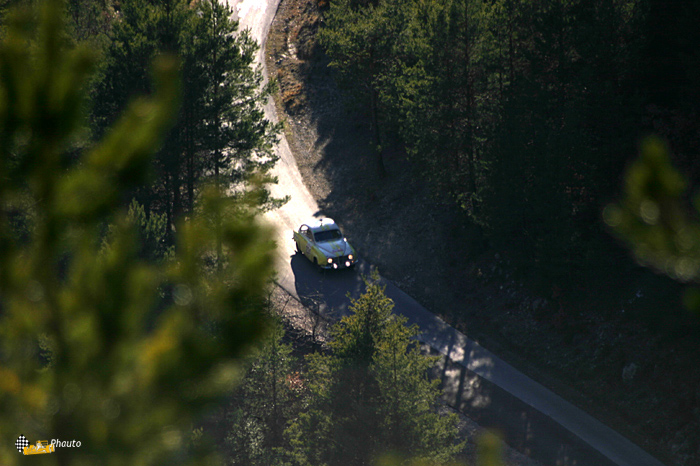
x=350, y=256
x=330, y=260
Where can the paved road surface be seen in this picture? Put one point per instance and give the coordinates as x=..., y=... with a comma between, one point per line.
x=531, y=418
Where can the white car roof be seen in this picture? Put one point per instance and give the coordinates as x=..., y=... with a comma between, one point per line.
x=322, y=224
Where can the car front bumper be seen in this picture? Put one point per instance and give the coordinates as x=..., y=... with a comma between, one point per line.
x=341, y=262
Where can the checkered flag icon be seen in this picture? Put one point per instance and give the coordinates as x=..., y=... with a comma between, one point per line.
x=21, y=442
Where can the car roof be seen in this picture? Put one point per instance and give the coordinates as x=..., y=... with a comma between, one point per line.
x=322, y=224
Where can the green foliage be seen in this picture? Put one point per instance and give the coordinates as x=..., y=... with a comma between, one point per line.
x=371, y=394
x=220, y=134
x=353, y=39
x=430, y=91
x=153, y=230
x=264, y=403
x=226, y=126
x=518, y=112
x=89, y=350
x=652, y=217
x=153, y=233
x=489, y=453
x=356, y=40
x=89, y=20
x=489, y=450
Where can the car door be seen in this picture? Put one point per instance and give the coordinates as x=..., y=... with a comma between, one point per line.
x=311, y=248
x=303, y=239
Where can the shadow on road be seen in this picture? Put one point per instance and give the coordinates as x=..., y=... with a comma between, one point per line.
x=463, y=376
x=521, y=426
x=325, y=291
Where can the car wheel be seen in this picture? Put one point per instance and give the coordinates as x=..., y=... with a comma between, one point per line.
x=315, y=262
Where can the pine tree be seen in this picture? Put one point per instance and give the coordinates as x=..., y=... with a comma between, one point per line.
x=220, y=134
x=233, y=139
x=654, y=221
x=356, y=40
x=264, y=404
x=371, y=394
x=89, y=349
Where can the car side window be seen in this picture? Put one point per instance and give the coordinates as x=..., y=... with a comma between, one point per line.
x=304, y=230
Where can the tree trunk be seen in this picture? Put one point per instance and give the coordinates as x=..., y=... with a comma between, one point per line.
x=219, y=248
x=168, y=209
x=217, y=181
x=276, y=434
x=177, y=200
x=468, y=148
x=381, y=168
x=190, y=163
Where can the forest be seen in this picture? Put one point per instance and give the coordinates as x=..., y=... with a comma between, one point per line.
x=526, y=114
x=135, y=272
x=563, y=134
x=135, y=161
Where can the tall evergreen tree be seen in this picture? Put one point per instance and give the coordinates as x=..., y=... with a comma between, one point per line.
x=234, y=140
x=358, y=44
x=430, y=90
x=221, y=131
x=89, y=350
x=266, y=401
x=371, y=394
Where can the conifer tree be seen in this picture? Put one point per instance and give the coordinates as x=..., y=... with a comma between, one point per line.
x=371, y=394
x=355, y=38
x=220, y=133
x=264, y=403
x=89, y=349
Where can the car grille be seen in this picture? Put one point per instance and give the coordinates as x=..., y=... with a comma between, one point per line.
x=340, y=260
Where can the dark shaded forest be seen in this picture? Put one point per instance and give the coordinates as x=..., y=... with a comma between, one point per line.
x=528, y=118
x=525, y=115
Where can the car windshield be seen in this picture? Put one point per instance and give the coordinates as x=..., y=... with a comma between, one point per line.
x=327, y=235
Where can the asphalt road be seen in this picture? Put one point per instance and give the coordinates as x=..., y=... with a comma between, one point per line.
x=531, y=418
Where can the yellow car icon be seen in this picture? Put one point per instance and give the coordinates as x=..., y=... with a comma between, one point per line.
x=41, y=447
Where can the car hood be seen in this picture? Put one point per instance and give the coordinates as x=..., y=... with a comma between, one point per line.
x=335, y=248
